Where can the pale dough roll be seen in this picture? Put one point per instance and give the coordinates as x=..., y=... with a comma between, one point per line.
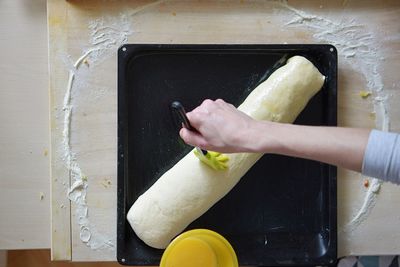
x=190, y=188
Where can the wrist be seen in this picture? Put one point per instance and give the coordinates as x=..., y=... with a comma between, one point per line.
x=264, y=137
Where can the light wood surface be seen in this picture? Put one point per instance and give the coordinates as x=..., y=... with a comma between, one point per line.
x=60, y=182
x=24, y=139
x=93, y=128
x=24, y=126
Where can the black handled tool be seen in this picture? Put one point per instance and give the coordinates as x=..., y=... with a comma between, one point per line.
x=179, y=110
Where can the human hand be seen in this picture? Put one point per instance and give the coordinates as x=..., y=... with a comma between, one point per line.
x=219, y=127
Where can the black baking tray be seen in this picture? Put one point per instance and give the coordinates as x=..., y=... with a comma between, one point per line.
x=283, y=211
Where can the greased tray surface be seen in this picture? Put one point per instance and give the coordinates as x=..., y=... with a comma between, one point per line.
x=283, y=211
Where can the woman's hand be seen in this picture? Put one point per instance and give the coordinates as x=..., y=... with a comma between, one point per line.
x=220, y=127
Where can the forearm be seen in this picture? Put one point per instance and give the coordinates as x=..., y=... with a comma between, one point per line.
x=343, y=147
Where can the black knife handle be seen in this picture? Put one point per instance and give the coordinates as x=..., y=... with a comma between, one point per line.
x=178, y=108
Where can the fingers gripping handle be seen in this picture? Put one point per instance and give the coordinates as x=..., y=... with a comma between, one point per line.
x=178, y=108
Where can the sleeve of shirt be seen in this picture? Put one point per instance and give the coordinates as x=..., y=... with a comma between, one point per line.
x=382, y=156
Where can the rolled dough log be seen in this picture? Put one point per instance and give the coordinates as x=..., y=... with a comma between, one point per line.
x=190, y=188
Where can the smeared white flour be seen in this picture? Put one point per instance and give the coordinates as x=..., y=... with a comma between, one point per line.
x=369, y=202
x=355, y=44
x=105, y=40
x=358, y=47
x=106, y=35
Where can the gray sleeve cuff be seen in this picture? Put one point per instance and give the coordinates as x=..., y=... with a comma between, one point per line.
x=382, y=156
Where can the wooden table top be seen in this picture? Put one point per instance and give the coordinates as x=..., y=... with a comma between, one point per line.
x=373, y=28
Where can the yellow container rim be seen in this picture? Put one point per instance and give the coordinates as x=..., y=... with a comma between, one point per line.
x=213, y=239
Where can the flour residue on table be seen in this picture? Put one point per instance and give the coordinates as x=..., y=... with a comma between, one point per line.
x=355, y=43
x=369, y=201
x=358, y=47
x=106, y=35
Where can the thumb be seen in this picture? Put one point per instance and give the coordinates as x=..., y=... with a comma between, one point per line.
x=193, y=138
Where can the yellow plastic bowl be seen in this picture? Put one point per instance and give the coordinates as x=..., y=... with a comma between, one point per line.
x=199, y=248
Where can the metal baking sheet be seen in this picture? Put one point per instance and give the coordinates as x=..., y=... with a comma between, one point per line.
x=283, y=211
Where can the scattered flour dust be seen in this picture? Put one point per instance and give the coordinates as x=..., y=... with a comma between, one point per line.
x=106, y=35
x=358, y=47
